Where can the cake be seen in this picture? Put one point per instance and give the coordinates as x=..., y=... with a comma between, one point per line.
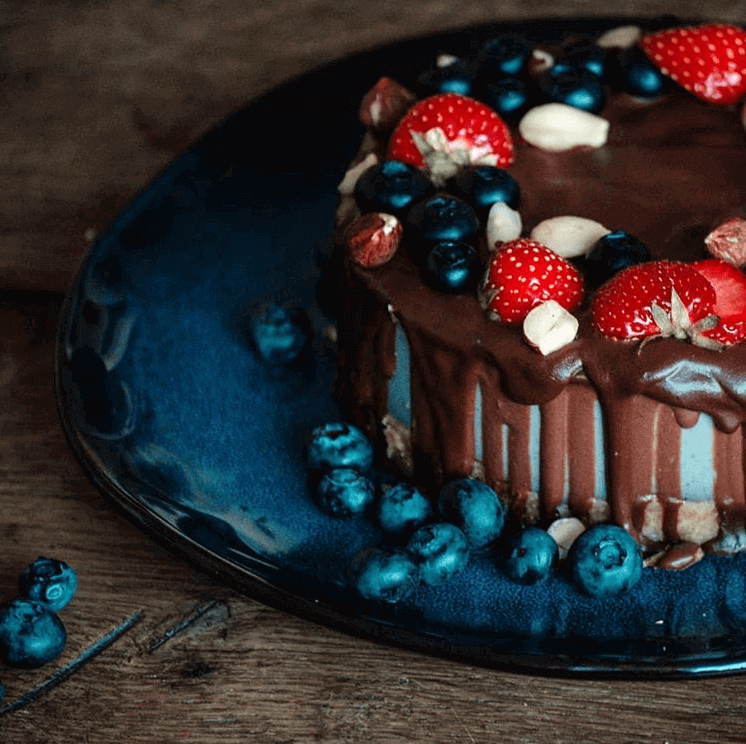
x=645, y=433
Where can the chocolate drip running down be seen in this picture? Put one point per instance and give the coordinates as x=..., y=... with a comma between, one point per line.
x=671, y=171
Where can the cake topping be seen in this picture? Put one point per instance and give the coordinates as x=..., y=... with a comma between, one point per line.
x=621, y=37
x=569, y=236
x=613, y=252
x=708, y=61
x=522, y=274
x=657, y=298
x=352, y=175
x=503, y=224
x=549, y=327
x=729, y=283
x=384, y=104
x=373, y=238
x=449, y=132
x=728, y=241
x=557, y=127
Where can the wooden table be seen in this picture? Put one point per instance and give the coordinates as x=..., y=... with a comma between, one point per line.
x=97, y=97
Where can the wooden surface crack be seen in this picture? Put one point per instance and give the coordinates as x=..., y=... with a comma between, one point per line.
x=64, y=672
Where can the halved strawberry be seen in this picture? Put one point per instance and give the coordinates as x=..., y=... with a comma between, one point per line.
x=448, y=132
x=524, y=273
x=729, y=283
x=708, y=61
x=657, y=298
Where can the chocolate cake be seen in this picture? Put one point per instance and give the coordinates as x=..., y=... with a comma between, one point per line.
x=644, y=434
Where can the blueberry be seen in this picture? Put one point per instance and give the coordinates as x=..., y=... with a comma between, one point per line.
x=504, y=55
x=605, y=561
x=511, y=97
x=530, y=555
x=342, y=492
x=30, y=634
x=391, y=187
x=455, y=77
x=611, y=254
x=475, y=508
x=441, y=217
x=586, y=54
x=280, y=334
x=383, y=574
x=440, y=550
x=402, y=509
x=637, y=75
x=574, y=86
x=49, y=582
x=338, y=445
x=453, y=267
x=484, y=185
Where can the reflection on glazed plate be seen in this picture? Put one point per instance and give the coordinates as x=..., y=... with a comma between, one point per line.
x=173, y=416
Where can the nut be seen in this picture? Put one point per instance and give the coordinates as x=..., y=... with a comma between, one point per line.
x=569, y=236
x=384, y=104
x=503, y=224
x=556, y=127
x=621, y=37
x=728, y=242
x=549, y=327
x=373, y=238
x=352, y=175
x=566, y=531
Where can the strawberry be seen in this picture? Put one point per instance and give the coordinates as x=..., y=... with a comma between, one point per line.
x=708, y=61
x=448, y=132
x=656, y=298
x=730, y=299
x=524, y=273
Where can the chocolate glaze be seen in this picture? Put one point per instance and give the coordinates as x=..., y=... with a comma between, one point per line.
x=671, y=171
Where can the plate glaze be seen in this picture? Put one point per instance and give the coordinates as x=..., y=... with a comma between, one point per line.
x=174, y=417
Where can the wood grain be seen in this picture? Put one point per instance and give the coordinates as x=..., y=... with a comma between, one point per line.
x=98, y=96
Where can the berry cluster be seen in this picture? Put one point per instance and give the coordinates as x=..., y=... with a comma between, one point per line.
x=445, y=184
x=430, y=543
x=31, y=633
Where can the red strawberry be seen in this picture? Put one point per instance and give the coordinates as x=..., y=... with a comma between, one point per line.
x=524, y=273
x=709, y=61
x=657, y=298
x=730, y=299
x=447, y=132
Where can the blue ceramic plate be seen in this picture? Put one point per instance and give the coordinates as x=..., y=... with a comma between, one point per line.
x=174, y=417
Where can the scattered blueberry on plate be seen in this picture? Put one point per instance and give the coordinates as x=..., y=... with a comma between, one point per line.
x=280, y=334
x=343, y=492
x=339, y=445
x=475, y=508
x=605, y=561
x=402, y=508
x=530, y=555
x=440, y=551
x=30, y=634
x=384, y=574
x=49, y=582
